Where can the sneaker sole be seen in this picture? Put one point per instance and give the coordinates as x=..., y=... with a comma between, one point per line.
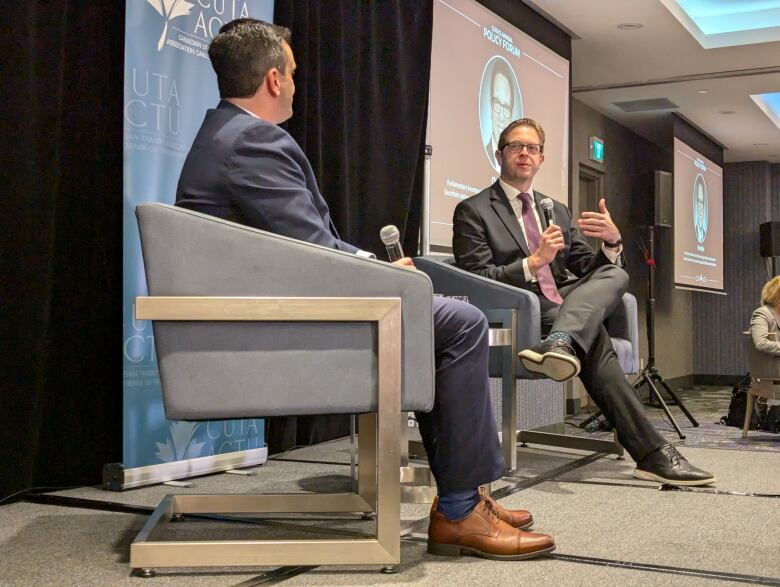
x=647, y=476
x=556, y=366
x=457, y=550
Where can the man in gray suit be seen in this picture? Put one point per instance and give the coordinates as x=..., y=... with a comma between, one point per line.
x=245, y=168
x=502, y=233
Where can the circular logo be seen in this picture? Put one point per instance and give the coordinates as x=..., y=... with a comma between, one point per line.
x=701, y=208
x=500, y=102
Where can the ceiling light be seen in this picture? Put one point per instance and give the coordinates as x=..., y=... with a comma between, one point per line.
x=701, y=91
x=630, y=26
x=727, y=111
x=760, y=144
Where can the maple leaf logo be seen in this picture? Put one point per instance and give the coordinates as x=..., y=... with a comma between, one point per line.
x=169, y=9
x=180, y=444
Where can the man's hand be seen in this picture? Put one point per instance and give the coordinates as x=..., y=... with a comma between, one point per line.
x=550, y=243
x=599, y=224
x=406, y=263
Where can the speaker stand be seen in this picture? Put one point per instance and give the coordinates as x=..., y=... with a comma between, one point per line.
x=649, y=375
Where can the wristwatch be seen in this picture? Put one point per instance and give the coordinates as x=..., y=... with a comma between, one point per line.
x=614, y=245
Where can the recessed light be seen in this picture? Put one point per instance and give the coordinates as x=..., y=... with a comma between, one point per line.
x=760, y=144
x=630, y=26
x=727, y=111
x=701, y=91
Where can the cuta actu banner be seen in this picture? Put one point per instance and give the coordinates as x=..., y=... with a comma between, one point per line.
x=169, y=85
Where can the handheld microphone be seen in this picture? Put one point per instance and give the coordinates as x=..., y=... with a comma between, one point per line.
x=390, y=236
x=546, y=204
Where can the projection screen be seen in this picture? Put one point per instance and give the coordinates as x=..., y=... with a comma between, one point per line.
x=698, y=221
x=485, y=73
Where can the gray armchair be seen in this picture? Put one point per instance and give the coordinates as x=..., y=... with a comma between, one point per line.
x=239, y=335
x=495, y=298
x=488, y=294
x=764, y=371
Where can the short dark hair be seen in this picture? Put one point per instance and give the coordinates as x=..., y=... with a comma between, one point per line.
x=243, y=53
x=501, y=67
x=529, y=122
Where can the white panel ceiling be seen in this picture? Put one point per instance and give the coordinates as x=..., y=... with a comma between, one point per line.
x=663, y=60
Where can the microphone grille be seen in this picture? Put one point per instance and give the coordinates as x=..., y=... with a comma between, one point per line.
x=546, y=204
x=389, y=235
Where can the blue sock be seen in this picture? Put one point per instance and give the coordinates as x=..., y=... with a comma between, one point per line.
x=458, y=504
x=562, y=336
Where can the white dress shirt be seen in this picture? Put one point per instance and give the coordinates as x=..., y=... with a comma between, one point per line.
x=517, y=205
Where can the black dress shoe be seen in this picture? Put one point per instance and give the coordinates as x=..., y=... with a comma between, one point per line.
x=666, y=465
x=552, y=358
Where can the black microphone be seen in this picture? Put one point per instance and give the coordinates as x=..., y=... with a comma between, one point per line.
x=546, y=204
x=391, y=238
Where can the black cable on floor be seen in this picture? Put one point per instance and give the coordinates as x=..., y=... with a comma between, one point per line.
x=688, y=572
x=22, y=494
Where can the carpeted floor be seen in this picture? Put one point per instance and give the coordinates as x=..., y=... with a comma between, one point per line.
x=610, y=528
x=707, y=404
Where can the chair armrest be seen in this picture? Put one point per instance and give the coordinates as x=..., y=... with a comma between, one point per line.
x=623, y=323
x=486, y=294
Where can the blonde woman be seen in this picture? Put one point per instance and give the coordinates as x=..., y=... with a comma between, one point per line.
x=764, y=327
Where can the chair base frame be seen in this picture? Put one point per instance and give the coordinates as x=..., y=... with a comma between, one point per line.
x=378, y=476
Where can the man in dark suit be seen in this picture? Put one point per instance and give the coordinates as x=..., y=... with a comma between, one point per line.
x=245, y=168
x=502, y=233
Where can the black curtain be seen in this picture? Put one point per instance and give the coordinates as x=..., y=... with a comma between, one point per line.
x=360, y=108
x=61, y=123
x=359, y=114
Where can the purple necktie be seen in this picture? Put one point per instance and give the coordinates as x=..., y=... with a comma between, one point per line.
x=544, y=276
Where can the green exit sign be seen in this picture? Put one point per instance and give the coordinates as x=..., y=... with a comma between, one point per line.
x=596, y=149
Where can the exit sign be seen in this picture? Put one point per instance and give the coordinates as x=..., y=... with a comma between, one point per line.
x=596, y=149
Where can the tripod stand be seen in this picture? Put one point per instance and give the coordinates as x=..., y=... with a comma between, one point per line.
x=649, y=375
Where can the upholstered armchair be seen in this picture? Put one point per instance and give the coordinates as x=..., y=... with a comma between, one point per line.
x=495, y=298
x=249, y=324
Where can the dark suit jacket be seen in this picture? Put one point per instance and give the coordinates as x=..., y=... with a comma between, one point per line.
x=487, y=240
x=250, y=171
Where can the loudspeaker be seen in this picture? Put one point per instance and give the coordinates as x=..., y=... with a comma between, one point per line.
x=770, y=239
x=664, y=203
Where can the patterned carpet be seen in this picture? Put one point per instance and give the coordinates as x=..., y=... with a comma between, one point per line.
x=707, y=404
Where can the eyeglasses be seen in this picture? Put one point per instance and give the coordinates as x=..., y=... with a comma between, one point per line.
x=502, y=109
x=516, y=147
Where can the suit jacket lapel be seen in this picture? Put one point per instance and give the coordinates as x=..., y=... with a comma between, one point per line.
x=775, y=319
x=501, y=206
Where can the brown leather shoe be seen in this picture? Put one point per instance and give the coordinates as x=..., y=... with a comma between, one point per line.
x=521, y=519
x=483, y=533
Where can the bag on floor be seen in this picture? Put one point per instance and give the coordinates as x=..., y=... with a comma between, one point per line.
x=736, y=415
x=769, y=420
